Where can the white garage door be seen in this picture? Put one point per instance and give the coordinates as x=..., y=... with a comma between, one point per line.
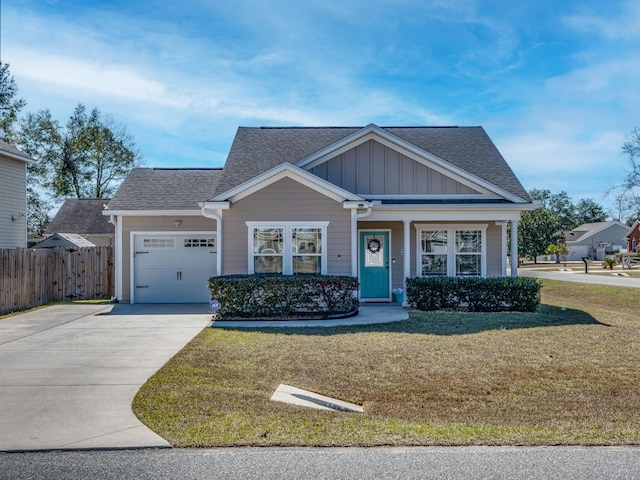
x=173, y=268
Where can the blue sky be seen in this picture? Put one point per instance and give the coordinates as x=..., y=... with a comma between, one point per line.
x=555, y=84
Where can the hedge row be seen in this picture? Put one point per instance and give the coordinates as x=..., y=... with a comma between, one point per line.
x=473, y=294
x=284, y=296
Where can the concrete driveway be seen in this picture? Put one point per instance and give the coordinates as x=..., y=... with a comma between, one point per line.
x=68, y=373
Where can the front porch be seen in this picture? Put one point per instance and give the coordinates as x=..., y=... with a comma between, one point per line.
x=390, y=251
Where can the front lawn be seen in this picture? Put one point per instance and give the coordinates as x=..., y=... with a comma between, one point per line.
x=553, y=377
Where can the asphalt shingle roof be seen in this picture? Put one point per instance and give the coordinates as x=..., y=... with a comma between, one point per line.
x=166, y=189
x=82, y=216
x=256, y=150
x=8, y=148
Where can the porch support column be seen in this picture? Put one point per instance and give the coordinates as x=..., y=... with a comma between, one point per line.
x=406, y=258
x=514, y=248
x=117, y=256
x=354, y=242
x=504, y=248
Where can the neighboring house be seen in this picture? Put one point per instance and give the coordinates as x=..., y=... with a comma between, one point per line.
x=83, y=216
x=65, y=240
x=13, y=197
x=594, y=240
x=633, y=238
x=381, y=204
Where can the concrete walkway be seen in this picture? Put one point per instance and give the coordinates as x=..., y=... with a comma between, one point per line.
x=367, y=315
x=68, y=373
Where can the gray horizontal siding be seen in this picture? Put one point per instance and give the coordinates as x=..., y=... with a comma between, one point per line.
x=13, y=203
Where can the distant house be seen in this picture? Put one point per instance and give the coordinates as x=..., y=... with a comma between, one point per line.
x=379, y=204
x=13, y=197
x=594, y=240
x=65, y=240
x=83, y=216
x=633, y=238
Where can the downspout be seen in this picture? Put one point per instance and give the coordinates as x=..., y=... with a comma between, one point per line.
x=218, y=218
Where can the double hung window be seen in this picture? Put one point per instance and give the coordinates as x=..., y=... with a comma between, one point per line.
x=453, y=250
x=287, y=248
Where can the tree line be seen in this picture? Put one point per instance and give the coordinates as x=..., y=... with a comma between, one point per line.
x=85, y=157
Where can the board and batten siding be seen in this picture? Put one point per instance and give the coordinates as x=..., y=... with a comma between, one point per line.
x=375, y=169
x=286, y=201
x=13, y=203
x=156, y=224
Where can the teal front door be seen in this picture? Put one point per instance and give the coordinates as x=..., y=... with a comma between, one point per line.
x=374, y=265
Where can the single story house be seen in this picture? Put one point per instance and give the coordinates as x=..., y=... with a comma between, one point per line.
x=64, y=240
x=633, y=238
x=13, y=196
x=83, y=216
x=594, y=240
x=378, y=203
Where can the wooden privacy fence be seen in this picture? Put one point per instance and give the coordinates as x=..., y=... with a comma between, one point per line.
x=29, y=278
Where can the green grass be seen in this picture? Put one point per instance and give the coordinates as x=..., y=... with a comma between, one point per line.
x=553, y=377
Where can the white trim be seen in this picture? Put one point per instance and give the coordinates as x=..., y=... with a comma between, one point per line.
x=389, y=269
x=287, y=254
x=443, y=215
x=406, y=258
x=15, y=156
x=503, y=247
x=152, y=213
x=118, y=258
x=217, y=216
x=172, y=233
x=426, y=196
x=287, y=170
x=373, y=132
x=451, y=229
x=514, y=248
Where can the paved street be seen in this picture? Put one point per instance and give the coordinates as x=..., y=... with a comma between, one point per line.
x=68, y=373
x=457, y=463
x=613, y=280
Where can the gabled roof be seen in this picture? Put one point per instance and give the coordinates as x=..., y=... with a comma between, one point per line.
x=65, y=240
x=256, y=150
x=288, y=170
x=589, y=229
x=166, y=189
x=82, y=216
x=8, y=150
x=632, y=228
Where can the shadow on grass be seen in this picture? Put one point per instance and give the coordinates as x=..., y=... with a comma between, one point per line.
x=450, y=323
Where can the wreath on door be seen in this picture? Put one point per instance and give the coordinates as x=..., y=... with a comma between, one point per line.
x=374, y=245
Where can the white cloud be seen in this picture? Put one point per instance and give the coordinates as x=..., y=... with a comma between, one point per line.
x=613, y=25
x=90, y=76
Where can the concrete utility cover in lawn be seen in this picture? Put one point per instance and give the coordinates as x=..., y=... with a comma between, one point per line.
x=296, y=396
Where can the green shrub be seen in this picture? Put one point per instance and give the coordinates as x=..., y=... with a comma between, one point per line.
x=284, y=296
x=474, y=294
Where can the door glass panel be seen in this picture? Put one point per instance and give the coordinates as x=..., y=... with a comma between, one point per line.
x=374, y=251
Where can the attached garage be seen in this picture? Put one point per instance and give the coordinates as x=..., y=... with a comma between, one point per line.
x=172, y=268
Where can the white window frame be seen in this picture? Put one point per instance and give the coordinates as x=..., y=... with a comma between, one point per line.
x=451, y=229
x=287, y=253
